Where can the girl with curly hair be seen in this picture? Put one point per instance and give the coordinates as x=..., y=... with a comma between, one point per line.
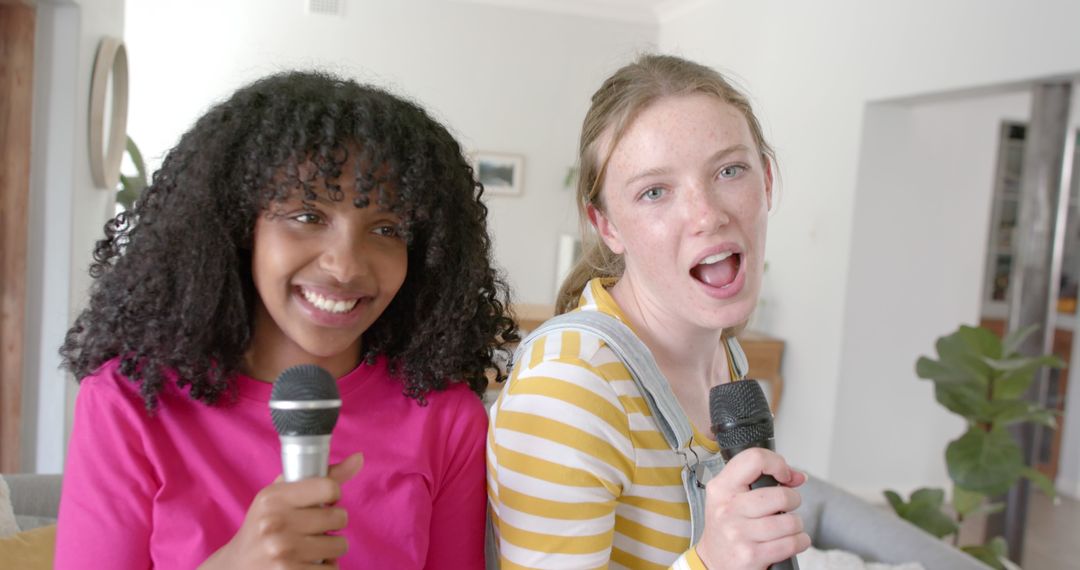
x=307, y=219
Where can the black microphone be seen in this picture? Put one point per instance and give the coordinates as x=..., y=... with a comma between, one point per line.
x=304, y=406
x=741, y=420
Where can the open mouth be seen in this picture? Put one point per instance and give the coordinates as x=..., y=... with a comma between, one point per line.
x=328, y=305
x=718, y=269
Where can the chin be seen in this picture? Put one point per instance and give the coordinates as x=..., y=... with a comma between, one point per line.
x=736, y=314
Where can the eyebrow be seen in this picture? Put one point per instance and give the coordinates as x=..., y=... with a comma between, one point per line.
x=716, y=157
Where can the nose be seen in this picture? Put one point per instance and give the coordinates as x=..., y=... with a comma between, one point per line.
x=706, y=210
x=344, y=256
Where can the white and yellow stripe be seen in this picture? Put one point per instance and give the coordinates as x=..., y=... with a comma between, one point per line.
x=578, y=474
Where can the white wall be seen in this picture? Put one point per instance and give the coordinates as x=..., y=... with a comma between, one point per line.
x=503, y=80
x=812, y=68
x=67, y=213
x=919, y=238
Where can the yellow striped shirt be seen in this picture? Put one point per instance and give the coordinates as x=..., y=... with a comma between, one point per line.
x=579, y=476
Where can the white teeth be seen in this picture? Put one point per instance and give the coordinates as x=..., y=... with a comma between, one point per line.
x=328, y=305
x=714, y=258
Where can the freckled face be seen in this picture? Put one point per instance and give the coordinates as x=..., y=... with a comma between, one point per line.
x=685, y=202
x=324, y=272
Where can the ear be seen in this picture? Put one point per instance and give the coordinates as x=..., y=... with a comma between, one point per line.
x=768, y=182
x=605, y=229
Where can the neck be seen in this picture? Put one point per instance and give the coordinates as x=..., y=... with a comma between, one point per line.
x=271, y=352
x=690, y=357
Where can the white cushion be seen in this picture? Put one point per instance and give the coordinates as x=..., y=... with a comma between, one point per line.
x=814, y=559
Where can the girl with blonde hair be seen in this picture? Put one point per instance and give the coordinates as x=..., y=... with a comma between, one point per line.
x=676, y=184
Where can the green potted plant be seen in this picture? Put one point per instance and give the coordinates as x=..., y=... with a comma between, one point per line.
x=983, y=379
x=131, y=186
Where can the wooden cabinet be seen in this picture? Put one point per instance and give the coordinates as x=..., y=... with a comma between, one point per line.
x=764, y=353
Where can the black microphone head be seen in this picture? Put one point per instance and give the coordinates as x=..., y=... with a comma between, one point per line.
x=740, y=414
x=304, y=401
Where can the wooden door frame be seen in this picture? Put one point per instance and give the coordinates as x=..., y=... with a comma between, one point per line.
x=16, y=98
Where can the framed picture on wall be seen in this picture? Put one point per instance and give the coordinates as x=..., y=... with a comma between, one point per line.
x=501, y=174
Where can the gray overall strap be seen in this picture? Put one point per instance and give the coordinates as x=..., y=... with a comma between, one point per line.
x=669, y=416
x=633, y=353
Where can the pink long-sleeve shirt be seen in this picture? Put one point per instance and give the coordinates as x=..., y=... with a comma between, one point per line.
x=167, y=490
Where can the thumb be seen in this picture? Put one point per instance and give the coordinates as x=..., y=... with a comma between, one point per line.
x=347, y=469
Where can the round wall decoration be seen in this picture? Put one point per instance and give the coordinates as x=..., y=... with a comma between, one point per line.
x=107, y=149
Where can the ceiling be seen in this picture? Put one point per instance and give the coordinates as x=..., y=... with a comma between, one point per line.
x=642, y=11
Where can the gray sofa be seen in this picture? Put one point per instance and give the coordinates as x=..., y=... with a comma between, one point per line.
x=34, y=498
x=834, y=519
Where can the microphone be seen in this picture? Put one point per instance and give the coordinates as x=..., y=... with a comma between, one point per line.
x=741, y=420
x=304, y=406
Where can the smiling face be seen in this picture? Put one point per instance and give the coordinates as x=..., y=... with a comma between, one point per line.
x=685, y=198
x=324, y=271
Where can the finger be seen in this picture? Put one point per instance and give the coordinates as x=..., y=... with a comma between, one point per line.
x=783, y=548
x=747, y=467
x=313, y=492
x=347, y=469
x=317, y=520
x=766, y=501
x=797, y=479
x=767, y=529
x=321, y=548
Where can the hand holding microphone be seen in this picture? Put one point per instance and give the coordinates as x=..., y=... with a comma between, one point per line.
x=287, y=522
x=748, y=519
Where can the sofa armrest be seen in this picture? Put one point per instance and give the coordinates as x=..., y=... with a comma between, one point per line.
x=836, y=519
x=34, y=498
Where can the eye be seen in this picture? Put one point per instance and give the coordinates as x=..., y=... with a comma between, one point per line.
x=307, y=218
x=731, y=170
x=388, y=230
x=652, y=194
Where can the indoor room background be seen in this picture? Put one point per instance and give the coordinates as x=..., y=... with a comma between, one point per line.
x=887, y=120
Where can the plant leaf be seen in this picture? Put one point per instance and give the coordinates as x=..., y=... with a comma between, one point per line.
x=926, y=497
x=984, y=462
x=957, y=355
x=137, y=159
x=1008, y=412
x=990, y=508
x=1013, y=340
x=999, y=546
x=932, y=520
x=961, y=399
x=986, y=555
x=980, y=341
x=966, y=502
x=895, y=502
x=1041, y=481
x=1040, y=416
x=924, y=511
x=938, y=372
x=1015, y=382
x=1017, y=363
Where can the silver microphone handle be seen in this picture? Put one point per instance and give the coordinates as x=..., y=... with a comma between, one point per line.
x=304, y=456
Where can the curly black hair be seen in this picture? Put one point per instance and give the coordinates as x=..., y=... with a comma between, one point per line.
x=173, y=290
